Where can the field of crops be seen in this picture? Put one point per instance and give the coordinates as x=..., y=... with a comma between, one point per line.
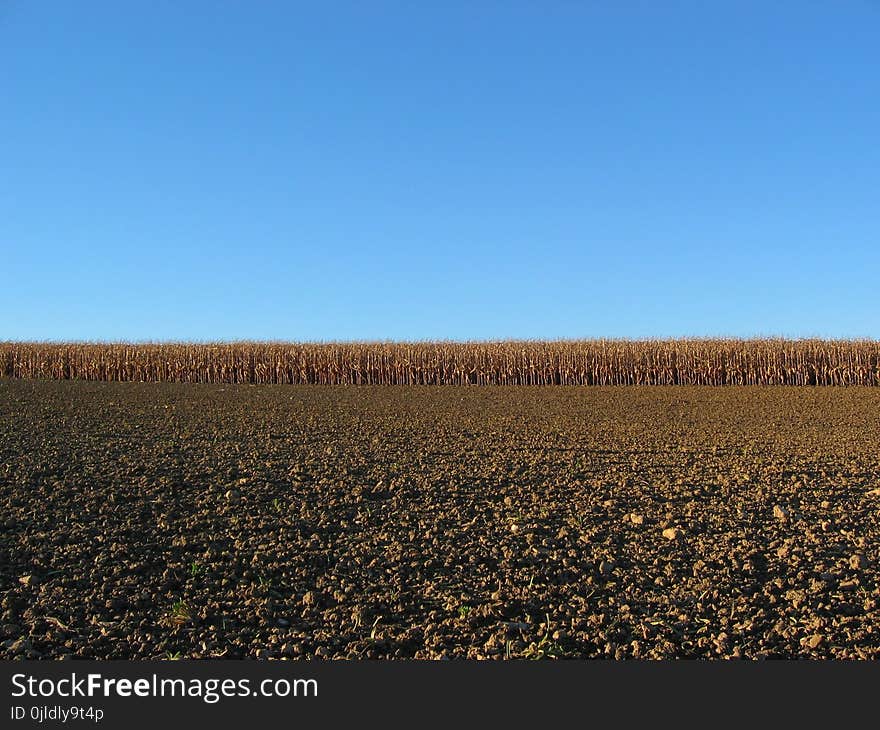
x=587, y=362
x=188, y=520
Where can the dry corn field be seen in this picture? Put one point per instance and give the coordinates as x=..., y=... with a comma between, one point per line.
x=588, y=362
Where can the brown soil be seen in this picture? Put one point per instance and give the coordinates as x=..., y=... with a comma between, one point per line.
x=161, y=520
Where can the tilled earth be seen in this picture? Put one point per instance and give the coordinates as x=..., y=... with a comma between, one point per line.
x=156, y=520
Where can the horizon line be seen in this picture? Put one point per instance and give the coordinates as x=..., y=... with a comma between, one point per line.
x=445, y=341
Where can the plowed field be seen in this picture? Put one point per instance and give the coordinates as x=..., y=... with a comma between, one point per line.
x=147, y=520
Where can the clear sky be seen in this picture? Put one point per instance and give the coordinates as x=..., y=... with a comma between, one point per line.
x=439, y=170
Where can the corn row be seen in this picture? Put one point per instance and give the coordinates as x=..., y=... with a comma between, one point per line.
x=567, y=362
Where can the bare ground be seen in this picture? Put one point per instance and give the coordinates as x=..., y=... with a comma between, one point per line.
x=156, y=520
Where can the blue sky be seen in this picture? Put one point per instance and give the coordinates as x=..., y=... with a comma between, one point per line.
x=455, y=170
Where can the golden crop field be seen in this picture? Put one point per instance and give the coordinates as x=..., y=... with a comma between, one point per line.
x=771, y=361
